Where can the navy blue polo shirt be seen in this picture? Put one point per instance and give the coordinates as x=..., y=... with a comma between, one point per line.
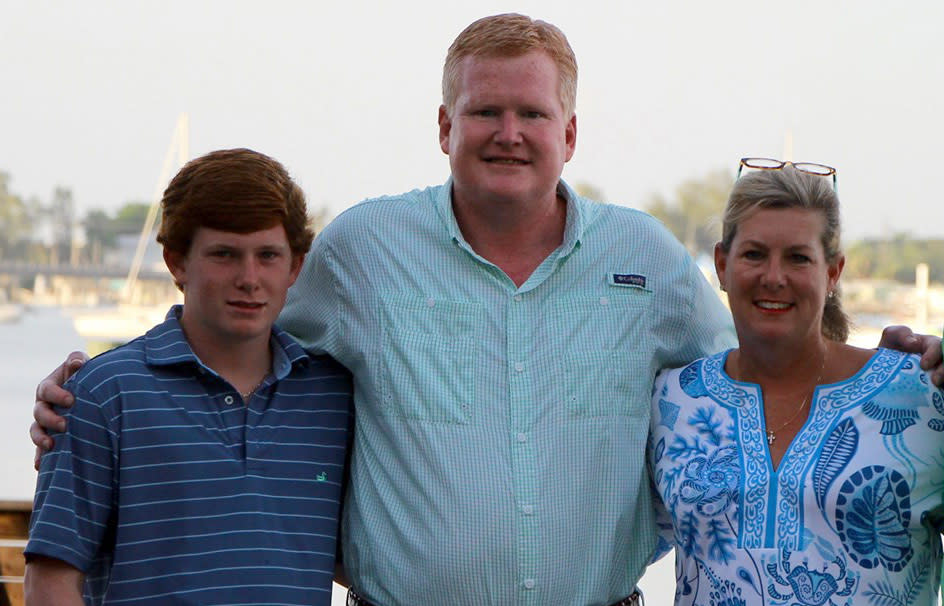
x=166, y=487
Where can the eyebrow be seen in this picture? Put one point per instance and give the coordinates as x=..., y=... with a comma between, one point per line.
x=765, y=245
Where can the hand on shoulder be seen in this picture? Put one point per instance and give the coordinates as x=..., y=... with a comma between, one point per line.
x=902, y=338
x=50, y=393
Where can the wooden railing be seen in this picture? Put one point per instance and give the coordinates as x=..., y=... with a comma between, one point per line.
x=14, y=526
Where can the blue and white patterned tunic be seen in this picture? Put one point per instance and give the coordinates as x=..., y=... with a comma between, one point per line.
x=844, y=520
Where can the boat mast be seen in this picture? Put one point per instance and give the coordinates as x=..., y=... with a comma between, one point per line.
x=178, y=152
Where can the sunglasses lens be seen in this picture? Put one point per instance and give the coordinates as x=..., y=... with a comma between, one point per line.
x=815, y=169
x=762, y=163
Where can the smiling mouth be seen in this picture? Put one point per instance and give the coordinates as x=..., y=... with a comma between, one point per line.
x=773, y=305
x=507, y=161
x=246, y=304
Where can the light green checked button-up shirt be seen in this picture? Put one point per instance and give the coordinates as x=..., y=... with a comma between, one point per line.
x=499, y=449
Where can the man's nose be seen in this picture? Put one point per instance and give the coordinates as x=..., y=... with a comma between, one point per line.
x=248, y=275
x=509, y=129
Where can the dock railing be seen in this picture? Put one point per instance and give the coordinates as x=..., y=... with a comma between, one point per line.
x=14, y=528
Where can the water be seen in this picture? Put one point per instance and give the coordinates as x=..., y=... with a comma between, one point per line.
x=35, y=345
x=29, y=349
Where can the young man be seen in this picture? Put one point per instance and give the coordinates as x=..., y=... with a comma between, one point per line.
x=202, y=461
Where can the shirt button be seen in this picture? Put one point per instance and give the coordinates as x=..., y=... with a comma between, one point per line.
x=430, y=302
x=522, y=437
x=519, y=367
x=228, y=399
x=529, y=583
x=528, y=510
x=518, y=298
x=604, y=300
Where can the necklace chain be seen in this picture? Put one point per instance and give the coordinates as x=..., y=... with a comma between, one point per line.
x=249, y=393
x=772, y=433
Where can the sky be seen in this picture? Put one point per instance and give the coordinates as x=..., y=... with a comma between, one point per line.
x=346, y=94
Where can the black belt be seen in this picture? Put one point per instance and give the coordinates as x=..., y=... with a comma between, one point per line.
x=633, y=600
x=355, y=600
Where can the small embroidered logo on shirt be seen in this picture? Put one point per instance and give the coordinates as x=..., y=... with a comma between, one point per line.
x=633, y=280
x=322, y=477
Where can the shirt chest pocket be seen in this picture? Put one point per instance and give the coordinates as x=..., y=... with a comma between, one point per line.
x=427, y=360
x=605, y=366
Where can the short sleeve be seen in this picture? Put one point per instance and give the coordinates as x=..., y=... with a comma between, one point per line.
x=311, y=308
x=75, y=488
x=709, y=312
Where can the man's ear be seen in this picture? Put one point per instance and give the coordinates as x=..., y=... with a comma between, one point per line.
x=445, y=128
x=297, y=262
x=177, y=264
x=570, y=137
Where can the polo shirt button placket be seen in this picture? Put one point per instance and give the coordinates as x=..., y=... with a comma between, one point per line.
x=520, y=371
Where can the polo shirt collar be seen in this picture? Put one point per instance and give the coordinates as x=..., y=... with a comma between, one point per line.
x=578, y=211
x=166, y=345
x=286, y=353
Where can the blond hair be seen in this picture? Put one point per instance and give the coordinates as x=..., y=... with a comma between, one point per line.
x=512, y=35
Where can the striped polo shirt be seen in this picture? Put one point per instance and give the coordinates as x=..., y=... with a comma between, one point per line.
x=499, y=448
x=166, y=488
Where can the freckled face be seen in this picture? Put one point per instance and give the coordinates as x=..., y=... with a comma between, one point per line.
x=777, y=276
x=507, y=136
x=234, y=284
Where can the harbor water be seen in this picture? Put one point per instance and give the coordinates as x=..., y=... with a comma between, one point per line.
x=30, y=347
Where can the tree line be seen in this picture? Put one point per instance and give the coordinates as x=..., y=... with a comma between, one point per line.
x=51, y=231
x=693, y=213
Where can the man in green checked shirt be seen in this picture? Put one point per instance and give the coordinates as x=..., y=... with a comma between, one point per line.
x=503, y=333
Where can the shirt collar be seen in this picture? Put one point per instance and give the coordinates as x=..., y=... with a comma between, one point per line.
x=579, y=211
x=166, y=345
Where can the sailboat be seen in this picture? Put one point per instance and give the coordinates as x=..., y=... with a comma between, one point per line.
x=132, y=316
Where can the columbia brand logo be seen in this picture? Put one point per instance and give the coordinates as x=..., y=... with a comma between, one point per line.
x=629, y=280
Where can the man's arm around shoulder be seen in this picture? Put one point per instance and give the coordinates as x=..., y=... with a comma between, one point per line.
x=51, y=582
